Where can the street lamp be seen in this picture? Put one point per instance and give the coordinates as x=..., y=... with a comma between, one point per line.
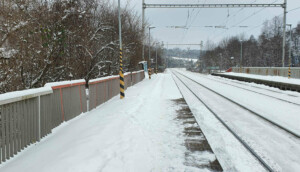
x=241, y=59
x=156, y=58
x=150, y=27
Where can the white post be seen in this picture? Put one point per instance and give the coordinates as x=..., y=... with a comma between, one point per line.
x=39, y=117
x=284, y=30
x=156, y=59
x=241, y=60
x=149, y=47
x=290, y=50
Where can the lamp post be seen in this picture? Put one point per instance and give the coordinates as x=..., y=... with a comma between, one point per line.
x=150, y=45
x=143, y=29
x=241, y=59
x=156, y=59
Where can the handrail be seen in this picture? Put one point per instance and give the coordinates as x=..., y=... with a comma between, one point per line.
x=64, y=84
x=16, y=96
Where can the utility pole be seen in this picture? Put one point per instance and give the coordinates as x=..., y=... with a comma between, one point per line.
x=284, y=30
x=150, y=45
x=156, y=59
x=241, y=59
x=167, y=55
x=122, y=84
x=201, y=46
x=221, y=64
x=143, y=28
x=290, y=51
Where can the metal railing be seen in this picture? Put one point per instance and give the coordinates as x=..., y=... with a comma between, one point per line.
x=20, y=120
x=103, y=89
x=27, y=116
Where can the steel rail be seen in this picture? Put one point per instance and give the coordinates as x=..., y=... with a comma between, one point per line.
x=264, y=164
x=239, y=82
x=286, y=101
x=245, y=108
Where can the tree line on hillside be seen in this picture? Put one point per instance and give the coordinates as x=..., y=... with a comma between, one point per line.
x=183, y=53
x=261, y=52
x=49, y=41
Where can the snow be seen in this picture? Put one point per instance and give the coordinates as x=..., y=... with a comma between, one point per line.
x=60, y=83
x=7, y=53
x=268, y=78
x=281, y=113
x=113, y=76
x=25, y=94
x=138, y=133
x=278, y=148
x=186, y=59
x=138, y=71
x=231, y=154
x=104, y=78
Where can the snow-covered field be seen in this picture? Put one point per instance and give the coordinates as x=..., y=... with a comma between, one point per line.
x=278, y=148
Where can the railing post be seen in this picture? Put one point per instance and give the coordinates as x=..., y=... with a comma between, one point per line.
x=39, y=118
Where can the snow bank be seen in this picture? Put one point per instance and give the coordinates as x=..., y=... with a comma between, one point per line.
x=103, y=78
x=54, y=84
x=23, y=95
x=138, y=71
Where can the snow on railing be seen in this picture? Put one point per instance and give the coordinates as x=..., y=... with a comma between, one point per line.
x=103, y=89
x=29, y=115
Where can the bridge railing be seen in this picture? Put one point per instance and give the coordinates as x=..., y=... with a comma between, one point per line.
x=20, y=122
x=103, y=89
x=29, y=115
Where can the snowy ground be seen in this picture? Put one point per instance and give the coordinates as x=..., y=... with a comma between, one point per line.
x=283, y=113
x=143, y=132
x=268, y=78
x=278, y=148
x=139, y=133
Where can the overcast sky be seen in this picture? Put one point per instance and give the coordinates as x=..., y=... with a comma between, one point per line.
x=197, y=19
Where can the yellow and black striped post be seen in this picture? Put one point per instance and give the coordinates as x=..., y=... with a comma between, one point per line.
x=122, y=84
x=149, y=72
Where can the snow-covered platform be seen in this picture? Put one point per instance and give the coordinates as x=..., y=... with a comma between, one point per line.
x=152, y=129
x=280, y=82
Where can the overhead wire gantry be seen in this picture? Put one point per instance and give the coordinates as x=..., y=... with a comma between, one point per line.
x=283, y=5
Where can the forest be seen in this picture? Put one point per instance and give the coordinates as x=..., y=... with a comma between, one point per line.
x=266, y=50
x=49, y=41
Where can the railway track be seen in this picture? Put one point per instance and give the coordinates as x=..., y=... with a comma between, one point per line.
x=258, y=126
x=274, y=91
x=283, y=100
x=263, y=163
x=243, y=107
